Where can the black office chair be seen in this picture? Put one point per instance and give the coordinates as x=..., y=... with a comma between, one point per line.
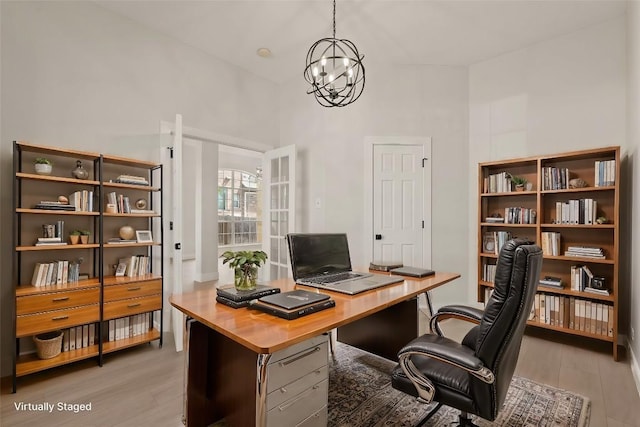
x=473, y=376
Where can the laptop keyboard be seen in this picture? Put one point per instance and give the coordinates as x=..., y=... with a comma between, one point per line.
x=323, y=280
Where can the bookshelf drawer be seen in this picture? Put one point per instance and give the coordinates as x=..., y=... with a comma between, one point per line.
x=113, y=310
x=132, y=290
x=56, y=301
x=32, y=324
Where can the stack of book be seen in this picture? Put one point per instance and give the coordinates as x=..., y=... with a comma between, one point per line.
x=229, y=295
x=54, y=206
x=550, y=281
x=132, y=179
x=293, y=304
x=584, y=252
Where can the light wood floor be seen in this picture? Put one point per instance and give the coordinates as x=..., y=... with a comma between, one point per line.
x=143, y=386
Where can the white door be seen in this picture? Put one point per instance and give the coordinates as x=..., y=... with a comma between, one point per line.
x=279, y=171
x=177, y=318
x=399, y=217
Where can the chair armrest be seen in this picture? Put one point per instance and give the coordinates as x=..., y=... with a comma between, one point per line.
x=462, y=312
x=445, y=350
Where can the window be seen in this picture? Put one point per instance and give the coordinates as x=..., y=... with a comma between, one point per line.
x=239, y=221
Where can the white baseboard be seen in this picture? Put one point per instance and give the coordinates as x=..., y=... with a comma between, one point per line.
x=635, y=368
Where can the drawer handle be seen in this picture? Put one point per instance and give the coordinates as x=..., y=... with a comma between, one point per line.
x=60, y=318
x=137, y=288
x=60, y=299
x=286, y=406
x=300, y=356
x=134, y=305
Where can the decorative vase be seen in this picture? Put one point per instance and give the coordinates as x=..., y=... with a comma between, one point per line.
x=245, y=278
x=520, y=187
x=74, y=239
x=127, y=232
x=84, y=239
x=79, y=172
x=43, y=169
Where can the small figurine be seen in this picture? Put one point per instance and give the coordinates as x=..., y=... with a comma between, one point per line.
x=601, y=220
x=577, y=183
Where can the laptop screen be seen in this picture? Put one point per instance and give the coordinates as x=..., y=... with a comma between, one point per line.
x=317, y=254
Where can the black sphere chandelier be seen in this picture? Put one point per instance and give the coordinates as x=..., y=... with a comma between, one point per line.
x=334, y=70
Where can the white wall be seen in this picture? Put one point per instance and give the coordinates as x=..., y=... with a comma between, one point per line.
x=422, y=101
x=633, y=151
x=559, y=95
x=76, y=75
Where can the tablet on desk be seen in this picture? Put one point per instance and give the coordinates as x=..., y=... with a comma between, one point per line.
x=412, y=272
x=293, y=304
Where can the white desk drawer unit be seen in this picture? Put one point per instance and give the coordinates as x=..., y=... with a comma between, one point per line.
x=298, y=385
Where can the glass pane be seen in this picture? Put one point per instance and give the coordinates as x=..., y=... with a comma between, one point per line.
x=275, y=170
x=273, y=275
x=274, y=224
x=284, y=223
x=284, y=168
x=275, y=196
x=284, y=196
x=284, y=271
x=284, y=253
x=273, y=254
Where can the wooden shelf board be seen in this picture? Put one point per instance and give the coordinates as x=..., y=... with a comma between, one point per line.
x=128, y=245
x=57, y=247
x=579, y=259
x=581, y=155
x=571, y=331
x=30, y=363
x=587, y=226
x=111, y=346
x=130, y=186
x=56, y=212
x=26, y=290
x=510, y=193
x=53, y=178
x=112, y=280
x=522, y=161
x=134, y=215
x=34, y=148
x=487, y=255
x=578, y=190
x=123, y=161
x=563, y=291
x=504, y=224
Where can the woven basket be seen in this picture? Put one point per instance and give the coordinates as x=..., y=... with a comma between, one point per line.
x=49, y=344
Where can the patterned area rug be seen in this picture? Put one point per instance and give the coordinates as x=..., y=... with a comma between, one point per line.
x=361, y=396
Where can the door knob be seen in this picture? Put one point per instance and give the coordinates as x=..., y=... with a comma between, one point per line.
x=378, y=236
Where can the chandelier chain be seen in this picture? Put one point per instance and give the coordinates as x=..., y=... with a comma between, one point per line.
x=334, y=19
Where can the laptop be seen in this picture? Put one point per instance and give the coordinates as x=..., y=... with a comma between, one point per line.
x=322, y=260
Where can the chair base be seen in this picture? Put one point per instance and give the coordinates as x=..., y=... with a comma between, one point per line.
x=465, y=421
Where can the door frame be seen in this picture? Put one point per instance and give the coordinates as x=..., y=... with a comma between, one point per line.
x=369, y=143
x=169, y=128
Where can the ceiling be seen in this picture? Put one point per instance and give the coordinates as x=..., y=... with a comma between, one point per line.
x=445, y=32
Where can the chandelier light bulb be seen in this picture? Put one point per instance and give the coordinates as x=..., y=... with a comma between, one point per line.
x=323, y=61
x=315, y=72
x=345, y=60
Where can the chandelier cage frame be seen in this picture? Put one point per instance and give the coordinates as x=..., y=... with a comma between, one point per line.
x=334, y=70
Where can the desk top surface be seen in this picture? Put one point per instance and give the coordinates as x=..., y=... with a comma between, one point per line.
x=264, y=333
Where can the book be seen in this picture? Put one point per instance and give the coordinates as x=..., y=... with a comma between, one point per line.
x=229, y=292
x=383, y=266
x=231, y=303
x=412, y=272
x=290, y=314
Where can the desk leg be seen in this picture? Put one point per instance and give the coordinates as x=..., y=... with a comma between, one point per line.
x=427, y=295
x=261, y=387
x=187, y=335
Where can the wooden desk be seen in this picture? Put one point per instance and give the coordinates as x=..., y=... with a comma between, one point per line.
x=227, y=348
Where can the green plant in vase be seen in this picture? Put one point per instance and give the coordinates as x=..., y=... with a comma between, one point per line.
x=519, y=182
x=84, y=236
x=245, y=265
